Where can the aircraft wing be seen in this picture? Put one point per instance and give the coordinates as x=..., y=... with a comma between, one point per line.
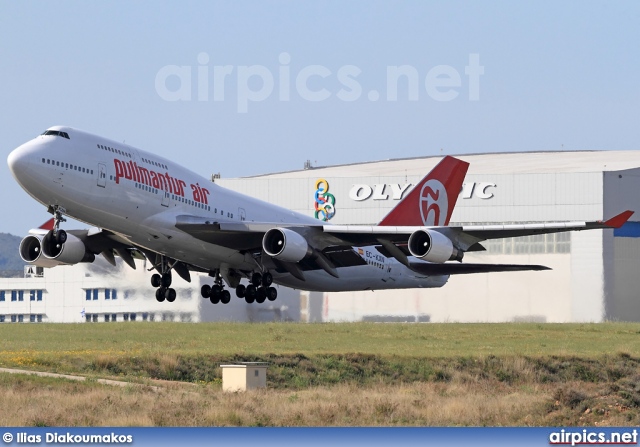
x=465, y=237
x=330, y=246
x=455, y=268
x=110, y=245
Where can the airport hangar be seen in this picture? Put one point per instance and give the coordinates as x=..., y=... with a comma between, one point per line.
x=594, y=278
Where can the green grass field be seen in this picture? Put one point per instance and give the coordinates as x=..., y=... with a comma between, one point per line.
x=232, y=339
x=487, y=374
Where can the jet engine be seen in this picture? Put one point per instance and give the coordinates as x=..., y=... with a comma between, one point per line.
x=432, y=246
x=285, y=245
x=65, y=250
x=31, y=252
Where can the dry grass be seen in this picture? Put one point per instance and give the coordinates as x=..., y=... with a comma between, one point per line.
x=55, y=402
x=461, y=401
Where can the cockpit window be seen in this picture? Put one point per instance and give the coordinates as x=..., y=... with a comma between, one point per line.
x=57, y=133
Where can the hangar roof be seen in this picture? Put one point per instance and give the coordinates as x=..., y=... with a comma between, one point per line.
x=492, y=163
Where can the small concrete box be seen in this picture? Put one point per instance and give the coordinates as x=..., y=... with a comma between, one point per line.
x=244, y=376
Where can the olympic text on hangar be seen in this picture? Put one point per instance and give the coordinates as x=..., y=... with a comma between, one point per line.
x=396, y=191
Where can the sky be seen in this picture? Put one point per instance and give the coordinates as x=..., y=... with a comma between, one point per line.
x=250, y=87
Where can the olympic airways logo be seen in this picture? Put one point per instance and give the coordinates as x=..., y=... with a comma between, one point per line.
x=434, y=203
x=325, y=205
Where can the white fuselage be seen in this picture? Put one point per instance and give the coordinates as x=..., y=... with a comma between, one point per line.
x=138, y=195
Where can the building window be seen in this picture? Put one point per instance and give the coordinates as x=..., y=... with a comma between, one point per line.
x=32, y=318
x=126, y=317
x=39, y=318
x=88, y=318
x=114, y=295
x=39, y=295
x=95, y=294
x=20, y=295
x=113, y=317
x=14, y=295
x=107, y=294
x=1, y=318
x=13, y=318
x=20, y=318
x=106, y=318
x=133, y=317
x=32, y=295
x=145, y=316
x=88, y=294
x=1, y=295
x=94, y=318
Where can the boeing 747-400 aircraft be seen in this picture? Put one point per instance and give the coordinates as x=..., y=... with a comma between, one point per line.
x=141, y=206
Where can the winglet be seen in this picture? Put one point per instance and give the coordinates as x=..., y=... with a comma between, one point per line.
x=431, y=201
x=619, y=220
x=48, y=225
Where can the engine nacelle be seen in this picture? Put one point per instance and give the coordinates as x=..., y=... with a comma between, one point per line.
x=432, y=246
x=285, y=245
x=31, y=252
x=71, y=251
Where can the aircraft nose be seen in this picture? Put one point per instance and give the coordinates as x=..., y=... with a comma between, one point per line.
x=17, y=159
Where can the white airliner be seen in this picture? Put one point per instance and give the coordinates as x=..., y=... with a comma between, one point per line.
x=144, y=206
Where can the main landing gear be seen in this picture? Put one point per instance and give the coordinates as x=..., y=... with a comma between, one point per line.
x=162, y=283
x=216, y=293
x=259, y=290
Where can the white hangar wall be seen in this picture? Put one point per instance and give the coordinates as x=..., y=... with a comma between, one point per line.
x=593, y=275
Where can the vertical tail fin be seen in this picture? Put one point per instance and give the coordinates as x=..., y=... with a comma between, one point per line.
x=431, y=201
x=48, y=225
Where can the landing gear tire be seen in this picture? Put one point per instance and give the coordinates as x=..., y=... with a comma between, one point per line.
x=170, y=295
x=160, y=294
x=256, y=279
x=267, y=279
x=225, y=297
x=205, y=291
x=272, y=293
x=61, y=237
x=156, y=280
x=216, y=289
x=250, y=295
x=166, y=280
x=261, y=295
x=215, y=298
x=241, y=291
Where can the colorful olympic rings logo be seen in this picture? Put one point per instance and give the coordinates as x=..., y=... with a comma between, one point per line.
x=325, y=202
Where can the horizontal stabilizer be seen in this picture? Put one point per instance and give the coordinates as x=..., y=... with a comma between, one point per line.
x=454, y=268
x=619, y=220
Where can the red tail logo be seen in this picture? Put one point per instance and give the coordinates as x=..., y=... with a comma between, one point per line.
x=431, y=201
x=434, y=205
